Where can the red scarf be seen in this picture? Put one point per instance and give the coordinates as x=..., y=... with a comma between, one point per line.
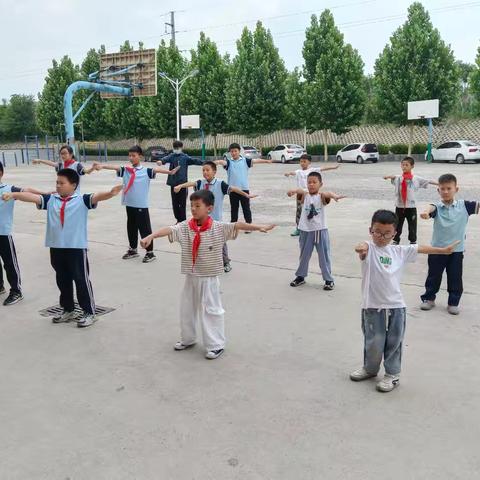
x=132, y=173
x=406, y=176
x=198, y=230
x=62, y=208
x=67, y=163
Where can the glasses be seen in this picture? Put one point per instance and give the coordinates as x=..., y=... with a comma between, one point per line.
x=386, y=236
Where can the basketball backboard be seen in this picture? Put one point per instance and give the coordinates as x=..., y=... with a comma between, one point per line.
x=423, y=109
x=190, y=122
x=145, y=71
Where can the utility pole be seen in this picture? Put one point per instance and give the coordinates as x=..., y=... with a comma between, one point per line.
x=172, y=27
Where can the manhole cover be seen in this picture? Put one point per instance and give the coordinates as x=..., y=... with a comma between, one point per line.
x=58, y=310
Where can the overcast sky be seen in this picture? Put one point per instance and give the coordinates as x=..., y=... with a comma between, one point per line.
x=32, y=33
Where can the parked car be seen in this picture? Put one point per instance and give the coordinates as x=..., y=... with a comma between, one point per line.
x=245, y=151
x=358, y=152
x=459, y=151
x=286, y=152
x=153, y=154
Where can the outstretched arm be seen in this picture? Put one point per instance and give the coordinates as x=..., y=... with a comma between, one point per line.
x=325, y=169
x=429, y=250
x=38, y=161
x=427, y=212
x=389, y=177
x=251, y=227
x=327, y=196
x=296, y=191
x=184, y=185
x=165, y=170
x=221, y=162
x=242, y=193
x=261, y=160
x=290, y=174
x=431, y=182
x=34, y=190
x=162, y=232
x=102, y=196
x=89, y=170
x=23, y=197
x=362, y=250
x=102, y=166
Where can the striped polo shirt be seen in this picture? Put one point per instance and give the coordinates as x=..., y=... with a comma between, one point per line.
x=209, y=261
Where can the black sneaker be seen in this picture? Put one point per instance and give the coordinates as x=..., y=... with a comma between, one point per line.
x=131, y=253
x=13, y=298
x=149, y=257
x=298, y=281
x=2, y=290
x=329, y=286
x=227, y=267
x=213, y=354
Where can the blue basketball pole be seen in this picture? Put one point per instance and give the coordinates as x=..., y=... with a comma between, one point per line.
x=430, y=140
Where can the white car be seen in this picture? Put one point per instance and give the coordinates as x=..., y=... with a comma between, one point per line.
x=245, y=151
x=358, y=152
x=458, y=151
x=286, y=152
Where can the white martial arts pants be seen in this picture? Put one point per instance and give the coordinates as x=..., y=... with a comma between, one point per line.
x=201, y=304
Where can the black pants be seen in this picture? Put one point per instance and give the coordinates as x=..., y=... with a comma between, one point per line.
x=235, y=201
x=436, y=265
x=138, y=221
x=10, y=264
x=179, y=204
x=411, y=215
x=71, y=266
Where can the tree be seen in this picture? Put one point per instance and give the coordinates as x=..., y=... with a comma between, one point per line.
x=465, y=107
x=415, y=65
x=50, y=105
x=293, y=112
x=334, y=91
x=255, y=94
x=18, y=118
x=475, y=84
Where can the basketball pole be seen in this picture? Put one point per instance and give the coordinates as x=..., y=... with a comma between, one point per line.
x=430, y=140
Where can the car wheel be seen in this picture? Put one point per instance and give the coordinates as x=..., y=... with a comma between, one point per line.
x=283, y=159
x=374, y=160
x=269, y=157
x=339, y=159
x=460, y=159
x=359, y=159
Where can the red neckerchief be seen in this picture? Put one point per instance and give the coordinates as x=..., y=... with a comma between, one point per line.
x=67, y=163
x=131, y=171
x=198, y=230
x=406, y=176
x=62, y=208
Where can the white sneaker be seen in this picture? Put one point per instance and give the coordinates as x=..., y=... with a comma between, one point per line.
x=427, y=305
x=86, y=320
x=361, y=374
x=453, y=309
x=65, y=317
x=213, y=354
x=180, y=346
x=388, y=383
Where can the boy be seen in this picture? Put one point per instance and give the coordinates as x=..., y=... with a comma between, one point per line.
x=201, y=240
x=406, y=187
x=136, y=187
x=181, y=160
x=383, y=308
x=219, y=189
x=237, y=176
x=67, y=213
x=313, y=229
x=450, y=218
x=8, y=254
x=301, y=176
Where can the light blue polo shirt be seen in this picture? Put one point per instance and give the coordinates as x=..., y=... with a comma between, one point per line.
x=219, y=189
x=73, y=233
x=237, y=172
x=450, y=223
x=137, y=195
x=6, y=209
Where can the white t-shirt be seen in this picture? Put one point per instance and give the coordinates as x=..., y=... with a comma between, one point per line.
x=382, y=272
x=318, y=221
x=301, y=176
x=413, y=186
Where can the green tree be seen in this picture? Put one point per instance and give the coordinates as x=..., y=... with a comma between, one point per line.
x=255, y=95
x=475, y=84
x=465, y=107
x=50, y=105
x=335, y=90
x=18, y=118
x=293, y=112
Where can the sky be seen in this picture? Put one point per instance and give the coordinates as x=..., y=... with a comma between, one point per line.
x=33, y=33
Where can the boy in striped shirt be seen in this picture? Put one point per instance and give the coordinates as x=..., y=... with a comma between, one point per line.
x=201, y=240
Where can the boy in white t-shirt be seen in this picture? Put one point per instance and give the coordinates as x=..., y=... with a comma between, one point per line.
x=301, y=177
x=383, y=308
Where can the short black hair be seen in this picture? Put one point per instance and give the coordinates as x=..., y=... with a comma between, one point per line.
x=177, y=144
x=71, y=175
x=211, y=164
x=315, y=174
x=206, y=196
x=385, y=217
x=68, y=148
x=2, y=168
x=234, y=145
x=306, y=156
x=136, y=149
x=447, y=178
x=410, y=160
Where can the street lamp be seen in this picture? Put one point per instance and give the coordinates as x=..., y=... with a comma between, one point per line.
x=177, y=85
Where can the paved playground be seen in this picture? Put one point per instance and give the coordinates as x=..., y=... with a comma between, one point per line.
x=115, y=401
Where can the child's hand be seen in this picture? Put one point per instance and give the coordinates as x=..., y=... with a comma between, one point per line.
x=451, y=247
x=362, y=250
x=96, y=166
x=159, y=163
x=174, y=171
x=36, y=161
x=291, y=193
x=177, y=188
x=145, y=242
x=338, y=197
x=7, y=196
x=266, y=228
x=116, y=189
x=425, y=215
x=252, y=196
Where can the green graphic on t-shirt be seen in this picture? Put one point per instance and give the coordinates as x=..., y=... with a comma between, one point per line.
x=387, y=261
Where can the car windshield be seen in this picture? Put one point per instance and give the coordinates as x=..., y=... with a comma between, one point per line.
x=370, y=148
x=469, y=144
x=293, y=146
x=246, y=147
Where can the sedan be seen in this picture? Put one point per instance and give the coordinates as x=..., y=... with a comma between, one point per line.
x=153, y=154
x=286, y=152
x=358, y=152
x=245, y=151
x=458, y=151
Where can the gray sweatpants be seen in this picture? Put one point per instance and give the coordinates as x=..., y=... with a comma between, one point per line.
x=383, y=332
x=321, y=241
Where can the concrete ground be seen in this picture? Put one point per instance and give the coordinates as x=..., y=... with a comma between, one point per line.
x=116, y=402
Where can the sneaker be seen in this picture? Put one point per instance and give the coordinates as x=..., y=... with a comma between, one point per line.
x=213, y=354
x=131, y=253
x=329, y=286
x=149, y=257
x=361, y=374
x=2, y=290
x=298, y=281
x=180, y=346
x=388, y=383
x=86, y=320
x=413, y=243
x=453, y=309
x=427, y=305
x=65, y=317
x=227, y=267
x=247, y=232
x=13, y=298
x=295, y=233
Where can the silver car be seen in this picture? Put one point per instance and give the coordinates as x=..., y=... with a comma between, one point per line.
x=246, y=151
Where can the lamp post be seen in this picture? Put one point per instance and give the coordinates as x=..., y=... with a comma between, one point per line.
x=177, y=85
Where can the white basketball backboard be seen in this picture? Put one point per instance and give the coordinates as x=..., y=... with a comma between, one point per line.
x=190, y=122
x=423, y=109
